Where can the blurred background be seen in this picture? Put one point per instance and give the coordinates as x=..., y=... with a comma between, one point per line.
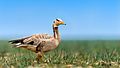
x=91, y=38
x=85, y=19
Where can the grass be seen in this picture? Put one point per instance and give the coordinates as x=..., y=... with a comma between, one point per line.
x=79, y=53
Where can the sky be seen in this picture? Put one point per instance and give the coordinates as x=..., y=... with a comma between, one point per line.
x=84, y=18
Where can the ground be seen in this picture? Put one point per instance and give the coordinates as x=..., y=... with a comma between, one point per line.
x=69, y=54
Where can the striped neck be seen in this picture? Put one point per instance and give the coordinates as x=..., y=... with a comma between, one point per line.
x=56, y=33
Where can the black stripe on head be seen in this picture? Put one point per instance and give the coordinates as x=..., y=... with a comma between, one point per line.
x=57, y=19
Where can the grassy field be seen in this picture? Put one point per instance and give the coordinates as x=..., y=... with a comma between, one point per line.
x=70, y=54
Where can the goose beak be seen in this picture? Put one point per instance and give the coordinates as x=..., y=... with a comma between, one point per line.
x=64, y=24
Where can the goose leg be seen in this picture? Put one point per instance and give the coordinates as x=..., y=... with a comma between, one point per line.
x=39, y=57
x=40, y=53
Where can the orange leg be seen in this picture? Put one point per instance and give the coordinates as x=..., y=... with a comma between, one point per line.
x=40, y=53
x=39, y=57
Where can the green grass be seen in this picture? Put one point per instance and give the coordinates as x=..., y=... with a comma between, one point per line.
x=83, y=53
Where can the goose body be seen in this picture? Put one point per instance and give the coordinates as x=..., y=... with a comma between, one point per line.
x=39, y=43
x=46, y=41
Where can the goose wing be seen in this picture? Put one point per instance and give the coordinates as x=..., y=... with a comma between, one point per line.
x=31, y=40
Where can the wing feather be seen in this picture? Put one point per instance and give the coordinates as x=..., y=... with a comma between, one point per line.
x=32, y=40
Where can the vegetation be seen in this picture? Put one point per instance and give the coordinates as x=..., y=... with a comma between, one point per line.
x=82, y=53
